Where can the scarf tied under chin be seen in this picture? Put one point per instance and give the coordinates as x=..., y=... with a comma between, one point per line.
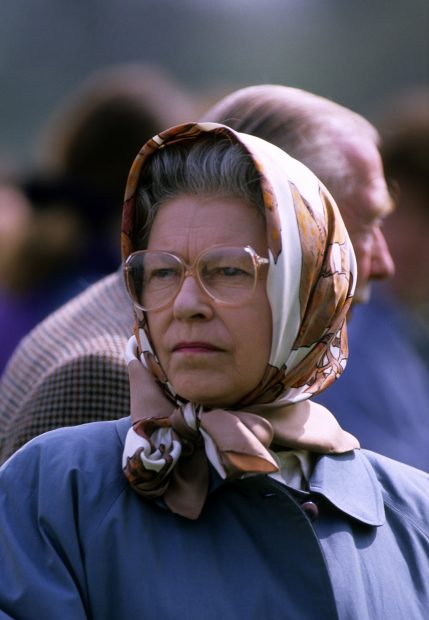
x=169, y=447
x=167, y=454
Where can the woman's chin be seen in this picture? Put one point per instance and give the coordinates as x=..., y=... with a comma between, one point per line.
x=213, y=389
x=205, y=397
x=210, y=402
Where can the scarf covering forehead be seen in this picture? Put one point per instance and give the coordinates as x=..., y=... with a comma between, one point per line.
x=310, y=284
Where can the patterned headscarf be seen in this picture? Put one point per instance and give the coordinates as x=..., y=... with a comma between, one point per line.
x=311, y=279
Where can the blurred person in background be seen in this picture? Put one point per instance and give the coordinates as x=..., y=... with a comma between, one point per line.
x=83, y=374
x=406, y=160
x=16, y=317
x=389, y=336
x=69, y=237
x=35, y=246
x=41, y=244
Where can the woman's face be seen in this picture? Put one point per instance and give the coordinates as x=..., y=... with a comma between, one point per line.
x=212, y=354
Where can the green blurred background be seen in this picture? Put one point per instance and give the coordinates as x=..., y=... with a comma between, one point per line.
x=358, y=52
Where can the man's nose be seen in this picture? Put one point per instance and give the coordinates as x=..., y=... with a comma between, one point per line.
x=382, y=264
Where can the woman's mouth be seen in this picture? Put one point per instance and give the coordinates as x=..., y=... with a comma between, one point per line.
x=195, y=347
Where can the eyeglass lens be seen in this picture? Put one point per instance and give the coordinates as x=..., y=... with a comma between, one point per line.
x=226, y=274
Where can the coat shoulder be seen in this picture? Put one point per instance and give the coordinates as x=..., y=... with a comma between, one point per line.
x=81, y=450
x=405, y=489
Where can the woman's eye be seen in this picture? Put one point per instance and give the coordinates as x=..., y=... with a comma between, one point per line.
x=231, y=271
x=161, y=274
x=225, y=272
x=221, y=271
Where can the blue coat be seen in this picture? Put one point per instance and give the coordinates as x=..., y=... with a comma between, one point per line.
x=76, y=542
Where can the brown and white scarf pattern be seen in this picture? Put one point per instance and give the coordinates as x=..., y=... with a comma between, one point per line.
x=310, y=285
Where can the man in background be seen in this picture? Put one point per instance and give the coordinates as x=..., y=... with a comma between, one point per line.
x=385, y=389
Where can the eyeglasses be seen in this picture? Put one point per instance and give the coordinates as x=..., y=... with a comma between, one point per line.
x=227, y=274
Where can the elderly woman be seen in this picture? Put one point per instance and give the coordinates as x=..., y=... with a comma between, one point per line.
x=241, y=497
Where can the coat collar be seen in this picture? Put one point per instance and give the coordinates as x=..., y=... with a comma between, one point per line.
x=347, y=481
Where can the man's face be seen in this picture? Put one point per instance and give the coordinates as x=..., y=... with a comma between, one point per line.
x=408, y=232
x=364, y=210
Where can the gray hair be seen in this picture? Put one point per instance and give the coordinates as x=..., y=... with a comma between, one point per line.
x=209, y=165
x=310, y=128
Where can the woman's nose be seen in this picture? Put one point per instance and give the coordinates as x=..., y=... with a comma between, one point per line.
x=382, y=265
x=192, y=301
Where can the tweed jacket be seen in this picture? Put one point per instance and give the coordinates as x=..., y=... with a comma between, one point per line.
x=78, y=543
x=70, y=369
